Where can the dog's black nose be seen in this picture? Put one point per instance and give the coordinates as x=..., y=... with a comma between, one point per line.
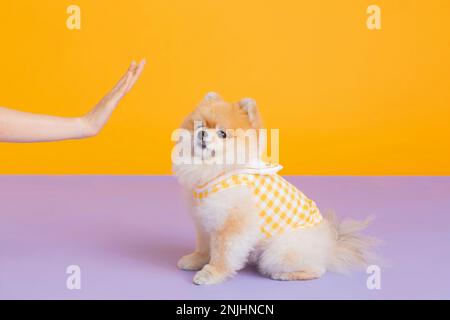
x=204, y=146
x=202, y=135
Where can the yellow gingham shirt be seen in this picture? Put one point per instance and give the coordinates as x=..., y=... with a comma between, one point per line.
x=281, y=206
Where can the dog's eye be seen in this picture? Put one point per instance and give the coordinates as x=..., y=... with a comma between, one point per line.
x=222, y=134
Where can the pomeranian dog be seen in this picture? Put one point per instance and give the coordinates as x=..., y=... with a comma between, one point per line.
x=244, y=212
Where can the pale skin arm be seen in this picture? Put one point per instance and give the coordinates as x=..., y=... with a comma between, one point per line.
x=16, y=126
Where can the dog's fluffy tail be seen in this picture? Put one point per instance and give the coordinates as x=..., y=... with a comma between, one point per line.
x=351, y=249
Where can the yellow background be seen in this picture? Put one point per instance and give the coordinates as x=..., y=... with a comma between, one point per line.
x=347, y=100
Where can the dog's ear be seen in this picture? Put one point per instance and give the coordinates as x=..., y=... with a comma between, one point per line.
x=212, y=97
x=188, y=123
x=248, y=105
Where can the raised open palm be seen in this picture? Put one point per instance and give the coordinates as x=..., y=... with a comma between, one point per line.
x=16, y=126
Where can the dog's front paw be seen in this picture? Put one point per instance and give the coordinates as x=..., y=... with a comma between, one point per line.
x=193, y=262
x=209, y=275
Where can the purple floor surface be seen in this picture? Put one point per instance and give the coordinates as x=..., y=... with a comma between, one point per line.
x=127, y=233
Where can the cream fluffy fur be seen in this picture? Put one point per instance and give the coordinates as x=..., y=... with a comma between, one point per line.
x=227, y=225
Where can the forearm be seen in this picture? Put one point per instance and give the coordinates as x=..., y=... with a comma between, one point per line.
x=16, y=126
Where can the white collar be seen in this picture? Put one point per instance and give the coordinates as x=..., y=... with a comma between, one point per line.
x=260, y=168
